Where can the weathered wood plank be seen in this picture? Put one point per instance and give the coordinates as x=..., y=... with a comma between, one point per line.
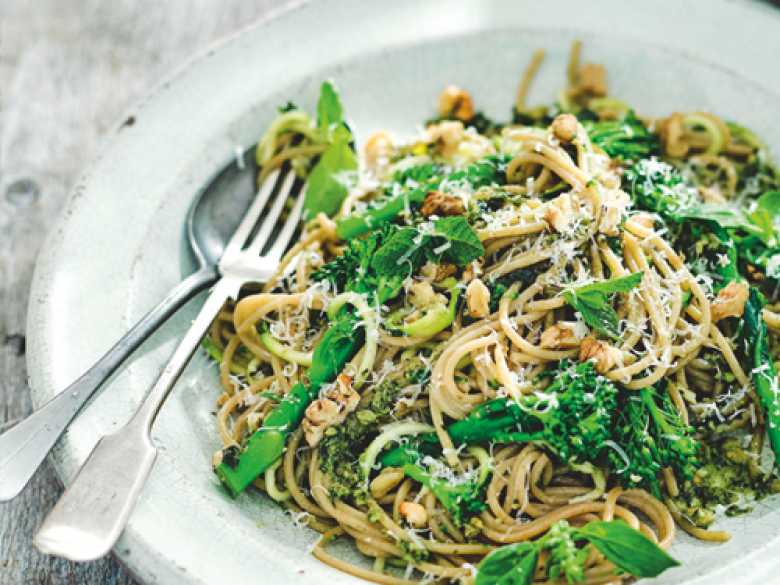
x=68, y=69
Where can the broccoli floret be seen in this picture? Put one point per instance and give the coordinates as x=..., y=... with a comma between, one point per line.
x=566, y=560
x=461, y=499
x=572, y=417
x=652, y=436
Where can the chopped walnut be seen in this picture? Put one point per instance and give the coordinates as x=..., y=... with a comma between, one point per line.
x=377, y=151
x=613, y=208
x=422, y=295
x=560, y=212
x=330, y=410
x=438, y=203
x=603, y=355
x=562, y=335
x=478, y=299
x=438, y=272
x=456, y=102
x=730, y=301
x=414, y=514
x=448, y=135
x=564, y=127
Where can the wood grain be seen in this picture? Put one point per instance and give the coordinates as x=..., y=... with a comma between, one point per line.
x=68, y=69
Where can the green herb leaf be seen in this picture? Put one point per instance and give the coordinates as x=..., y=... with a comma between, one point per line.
x=629, y=549
x=509, y=565
x=465, y=244
x=766, y=216
x=331, y=177
x=592, y=302
x=330, y=113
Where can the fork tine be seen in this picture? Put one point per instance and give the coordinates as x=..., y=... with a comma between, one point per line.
x=287, y=231
x=272, y=217
x=239, y=237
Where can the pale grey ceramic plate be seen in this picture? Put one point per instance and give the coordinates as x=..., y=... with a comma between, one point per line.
x=118, y=246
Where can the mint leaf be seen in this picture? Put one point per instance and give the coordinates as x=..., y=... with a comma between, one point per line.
x=465, y=245
x=627, y=548
x=330, y=113
x=331, y=177
x=592, y=302
x=513, y=564
x=400, y=254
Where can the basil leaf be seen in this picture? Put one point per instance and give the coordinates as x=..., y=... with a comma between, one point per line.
x=627, y=548
x=465, y=244
x=331, y=177
x=592, y=302
x=513, y=564
x=329, y=110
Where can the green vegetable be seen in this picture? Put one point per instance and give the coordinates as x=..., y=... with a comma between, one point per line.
x=628, y=549
x=436, y=318
x=571, y=418
x=409, y=188
x=330, y=179
x=626, y=139
x=286, y=353
x=592, y=302
x=330, y=113
x=211, y=349
x=341, y=442
x=461, y=498
x=651, y=435
x=380, y=262
x=339, y=343
x=763, y=374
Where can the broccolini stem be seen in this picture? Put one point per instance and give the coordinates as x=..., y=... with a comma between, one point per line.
x=355, y=225
x=763, y=374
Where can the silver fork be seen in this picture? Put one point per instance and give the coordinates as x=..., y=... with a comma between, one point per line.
x=93, y=511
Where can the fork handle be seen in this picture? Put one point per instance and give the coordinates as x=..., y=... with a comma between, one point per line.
x=93, y=511
x=24, y=446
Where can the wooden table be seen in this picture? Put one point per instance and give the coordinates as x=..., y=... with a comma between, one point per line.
x=68, y=69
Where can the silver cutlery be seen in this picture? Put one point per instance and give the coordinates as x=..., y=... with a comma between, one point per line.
x=210, y=220
x=93, y=511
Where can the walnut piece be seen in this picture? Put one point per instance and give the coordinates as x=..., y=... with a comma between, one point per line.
x=456, y=102
x=337, y=402
x=438, y=203
x=613, y=208
x=603, y=355
x=414, y=514
x=564, y=127
x=378, y=149
x=560, y=212
x=478, y=299
x=562, y=335
x=730, y=301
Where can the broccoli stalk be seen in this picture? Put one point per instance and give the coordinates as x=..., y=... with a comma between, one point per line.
x=571, y=418
x=763, y=375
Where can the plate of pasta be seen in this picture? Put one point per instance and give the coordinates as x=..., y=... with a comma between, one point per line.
x=529, y=330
